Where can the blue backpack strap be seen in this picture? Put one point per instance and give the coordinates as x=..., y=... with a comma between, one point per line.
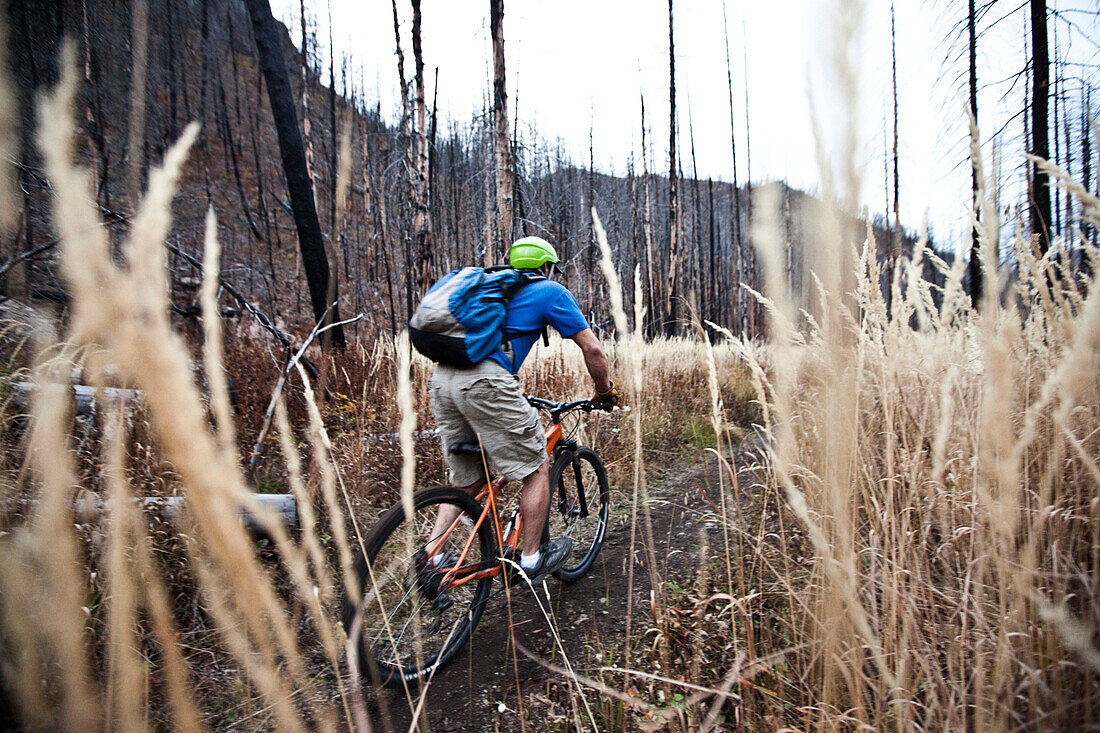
x=526, y=279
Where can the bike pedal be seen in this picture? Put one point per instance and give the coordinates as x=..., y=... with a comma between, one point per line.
x=442, y=603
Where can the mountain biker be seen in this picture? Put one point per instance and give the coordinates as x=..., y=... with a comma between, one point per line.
x=486, y=402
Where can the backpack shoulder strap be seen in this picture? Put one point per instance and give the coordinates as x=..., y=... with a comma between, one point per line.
x=526, y=278
x=535, y=277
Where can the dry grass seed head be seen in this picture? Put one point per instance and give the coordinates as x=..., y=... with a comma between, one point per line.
x=129, y=317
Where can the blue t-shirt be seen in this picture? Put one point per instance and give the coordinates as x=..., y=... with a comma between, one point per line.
x=539, y=304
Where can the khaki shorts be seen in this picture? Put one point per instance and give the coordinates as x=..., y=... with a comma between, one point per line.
x=487, y=402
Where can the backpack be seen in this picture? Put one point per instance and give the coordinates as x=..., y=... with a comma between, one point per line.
x=461, y=319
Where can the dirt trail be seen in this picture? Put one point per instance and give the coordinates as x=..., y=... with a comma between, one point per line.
x=477, y=690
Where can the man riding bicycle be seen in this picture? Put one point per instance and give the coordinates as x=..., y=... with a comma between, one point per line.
x=485, y=402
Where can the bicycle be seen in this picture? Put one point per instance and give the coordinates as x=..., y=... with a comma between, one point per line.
x=415, y=613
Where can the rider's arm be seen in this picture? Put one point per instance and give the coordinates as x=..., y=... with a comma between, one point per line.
x=594, y=358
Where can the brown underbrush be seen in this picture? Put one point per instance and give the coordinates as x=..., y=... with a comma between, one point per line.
x=362, y=419
x=916, y=546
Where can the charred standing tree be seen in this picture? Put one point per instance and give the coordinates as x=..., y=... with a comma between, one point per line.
x=713, y=264
x=698, y=293
x=422, y=220
x=310, y=240
x=974, y=267
x=401, y=72
x=1055, y=87
x=647, y=229
x=432, y=147
x=333, y=144
x=307, y=122
x=894, y=82
x=1088, y=231
x=406, y=248
x=591, y=285
x=1039, y=199
x=1069, y=219
x=749, y=250
x=895, y=243
x=488, y=230
x=735, y=230
x=9, y=133
x=501, y=147
x=135, y=142
x=672, y=309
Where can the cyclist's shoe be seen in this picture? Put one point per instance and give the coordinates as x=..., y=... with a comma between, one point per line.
x=429, y=575
x=553, y=555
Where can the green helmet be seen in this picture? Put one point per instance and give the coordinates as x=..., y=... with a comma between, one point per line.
x=531, y=252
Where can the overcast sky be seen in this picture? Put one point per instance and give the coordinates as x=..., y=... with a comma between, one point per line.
x=575, y=66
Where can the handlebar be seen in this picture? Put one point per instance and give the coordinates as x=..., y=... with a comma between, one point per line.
x=557, y=409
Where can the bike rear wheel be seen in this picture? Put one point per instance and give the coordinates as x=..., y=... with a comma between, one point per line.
x=579, y=505
x=404, y=625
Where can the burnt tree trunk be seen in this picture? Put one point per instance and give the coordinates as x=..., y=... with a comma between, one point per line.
x=307, y=122
x=1055, y=86
x=432, y=193
x=1088, y=231
x=422, y=221
x=591, y=287
x=974, y=267
x=897, y=183
x=333, y=144
x=647, y=230
x=1068, y=158
x=381, y=236
x=895, y=243
x=501, y=141
x=712, y=263
x=401, y=72
x=672, y=309
x=735, y=230
x=135, y=138
x=310, y=240
x=489, y=228
x=700, y=296
x=1039, y=200
x=749, y=252
x=405, y=244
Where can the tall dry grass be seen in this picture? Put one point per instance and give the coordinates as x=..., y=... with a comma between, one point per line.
x=920, y=549
x=943, y=461
x=53, y=597
x=941, y=457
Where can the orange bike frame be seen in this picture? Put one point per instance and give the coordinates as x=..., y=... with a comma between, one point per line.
x=460, y=574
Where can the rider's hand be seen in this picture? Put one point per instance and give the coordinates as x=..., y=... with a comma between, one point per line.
x=606, y=400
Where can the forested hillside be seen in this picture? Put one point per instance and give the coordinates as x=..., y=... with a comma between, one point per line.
x=206, y=70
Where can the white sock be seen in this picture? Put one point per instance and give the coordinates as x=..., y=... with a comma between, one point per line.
x=436, y=559
x=529, y=561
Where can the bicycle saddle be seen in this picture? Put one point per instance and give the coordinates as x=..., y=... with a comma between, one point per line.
x=465, y=449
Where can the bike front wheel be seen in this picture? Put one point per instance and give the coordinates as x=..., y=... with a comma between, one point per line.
x=409, y=618
x=579, y=505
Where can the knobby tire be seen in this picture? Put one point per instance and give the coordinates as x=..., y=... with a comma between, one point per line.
x=577, y=470
x=401, y=634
